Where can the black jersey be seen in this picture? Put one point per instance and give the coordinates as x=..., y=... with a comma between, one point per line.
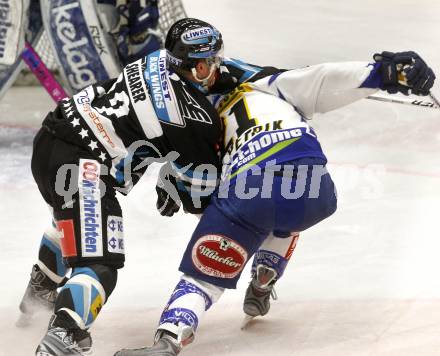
x=147, y=112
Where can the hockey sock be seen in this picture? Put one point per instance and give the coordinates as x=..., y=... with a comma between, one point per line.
x=188, y=303
x=50, y=258
x=275, y=253
x=84, y=294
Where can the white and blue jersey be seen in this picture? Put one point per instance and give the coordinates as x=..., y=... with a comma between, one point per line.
x=262, y=129
x=265, y=118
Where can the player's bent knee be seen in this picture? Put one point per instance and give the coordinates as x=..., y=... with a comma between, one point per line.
x=216, y=260
x=108, y=276
x=219, y=249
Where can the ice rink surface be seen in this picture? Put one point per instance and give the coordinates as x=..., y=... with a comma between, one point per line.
x=364, y=282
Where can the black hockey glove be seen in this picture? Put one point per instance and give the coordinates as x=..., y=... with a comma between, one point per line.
x=403, y=71
x=168, y=201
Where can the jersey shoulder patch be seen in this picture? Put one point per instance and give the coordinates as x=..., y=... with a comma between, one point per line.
x=172, y=99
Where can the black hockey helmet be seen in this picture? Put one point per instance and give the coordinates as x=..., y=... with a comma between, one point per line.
x=191, y=39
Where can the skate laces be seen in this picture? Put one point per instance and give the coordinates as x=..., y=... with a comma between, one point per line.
x=48, y=295
x=73, y=338
x=74, y=344
x=79, y=349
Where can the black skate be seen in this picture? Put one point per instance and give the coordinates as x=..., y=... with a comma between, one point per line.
x=165, y=346
x=40, y=294
x=257, y=297
x=62, y=341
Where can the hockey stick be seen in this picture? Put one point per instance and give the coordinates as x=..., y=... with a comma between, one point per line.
x=432, y=104
x=39, y=69
x=434, y=99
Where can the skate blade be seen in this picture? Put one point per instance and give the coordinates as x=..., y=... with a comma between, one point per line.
x=245, y=323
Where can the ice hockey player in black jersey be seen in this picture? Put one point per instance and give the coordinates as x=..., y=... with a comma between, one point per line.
x=99, y=142
x=274, y=182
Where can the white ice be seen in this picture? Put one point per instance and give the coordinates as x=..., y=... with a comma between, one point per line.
x=364, y=282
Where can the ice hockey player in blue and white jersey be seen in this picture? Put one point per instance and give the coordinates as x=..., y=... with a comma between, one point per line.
x=274, y=183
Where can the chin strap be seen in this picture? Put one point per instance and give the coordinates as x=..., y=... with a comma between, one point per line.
x=204, y=82
x=214, y=64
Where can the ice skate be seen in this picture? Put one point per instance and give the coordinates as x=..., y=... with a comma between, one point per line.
x=61, y=341
x=40, y=295
x=257, y=297
x=165, y=346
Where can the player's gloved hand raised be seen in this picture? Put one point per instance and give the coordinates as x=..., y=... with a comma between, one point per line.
x=403, y=71
x=168, y=201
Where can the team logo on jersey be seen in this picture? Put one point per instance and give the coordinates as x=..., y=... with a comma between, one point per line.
x=190, y=109
x=90, y=208
x=171, y=107
x=161, y=95
x=218, y=256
